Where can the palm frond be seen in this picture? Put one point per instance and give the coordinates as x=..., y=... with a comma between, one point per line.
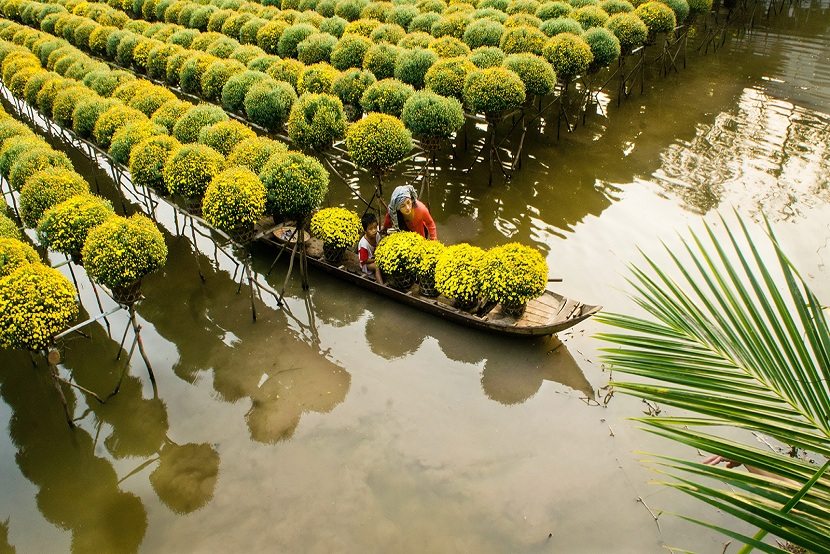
x=736, y=342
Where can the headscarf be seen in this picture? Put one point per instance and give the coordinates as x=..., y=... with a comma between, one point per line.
x=400, y=194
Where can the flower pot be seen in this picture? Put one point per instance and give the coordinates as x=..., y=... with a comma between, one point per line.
x=465, y=304
x=333, y=254
x=427, y=287
x=129, y=294
x=243, y=235
x=193, y=205
x=403, y=283
x=513, y=310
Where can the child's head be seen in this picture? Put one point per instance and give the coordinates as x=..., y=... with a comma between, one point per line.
x=370, y=223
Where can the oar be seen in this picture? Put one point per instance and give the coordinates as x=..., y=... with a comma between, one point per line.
x=554, y=279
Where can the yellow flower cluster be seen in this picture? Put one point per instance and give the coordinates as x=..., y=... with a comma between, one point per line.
x=121, y=251
x=190, y=168
x=8, y=228
x=14, y=254
x=64, y=227
x=513, y=274
x=234, y=200
x=36, y=303
x=428, y=253
x=397, y=255
x=47, y=188
x=337, y=227
x=457, y=273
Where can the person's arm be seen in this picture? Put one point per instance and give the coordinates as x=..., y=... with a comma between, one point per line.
x=363, y=256
x=427, y=220
x=715, y=460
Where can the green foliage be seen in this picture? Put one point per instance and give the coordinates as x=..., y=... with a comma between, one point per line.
x=225, y=135
x=170, y=112
x=535, y=72
x=397, y=255
x=295, y=183
x=350, y=85
x=250, y=31
x=423, y=23
x=317, y=78
x=629, y=30
x=522, y=20
x=131, y=134
x=604, y=45
x=237, y=86
x=559, y=25
x=47, y=188
x=187, y=128
x=457, y=273
x=513, y=274
x=388, y=32
x=268, y=103
x=64, y=227
x=291, y=37
x=14, y=254
x=349, y=9
x=487, y=56
x=735, y=342
x=158, y=58
x=552, y=10
x=12, y=128
x=483, y=32
x=590, y=16
x=449, y=47
x=147, y=161
x=411, y=66
x=254, y=153
x=493, y=90
x=190, y=74
x=48, y=92
x=222, y=47
x=87, y=113
x=315, y=48
x=122, y=251
x=386, y=96
x=150, y=99
x=521, y=39
x=190, y=168
x=14, y=147
x=680, y=8
x=569, y=54
x=316, y=121
x=697, y=7
x=263, y=63
x=522, y=6
x=216, y=75
x=450, y=25
x=431, y=115
x=378, y=141
x=416, y=39
x=8, y=228
x=362, y=27
x=268, y=36
x=350, y=51
x=234, y=200
x=380, y=60
x=34, y=85
x=613, y=7
x=658, y=17
x=334, y=26
x=447, y=77
x=113, y=119
x=36, y=303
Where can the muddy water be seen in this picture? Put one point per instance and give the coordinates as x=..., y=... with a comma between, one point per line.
x=355, y=424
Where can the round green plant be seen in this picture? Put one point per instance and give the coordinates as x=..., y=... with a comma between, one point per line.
x=336, y=227
x=483, y=32
x=291, y=37
x=122, y=251
x=31, y=162
x=190, y=168
x=590, y=16
x=128, y=136
x=552, y=10
x=629, y=30
x=447, y=76
x=387, y=96
x=317, y=78
x=234, y=200
x=658, y=17
x=8, y=228
x=378, y=141
x=430, y=115
x=680, y=8
x=494, y=90
x=64, y=227
x=350, y=51
x=316, y=121
x=316, y=48
x=269, y=102
x=170, y=112
x=295, y=183
x=350, y=85
x=559, y=25
x=569, y=54
x=613, y=7
x=520, y=39
x=513, y=274
x=380, y=60
x=397, y=256
x=411, y=66
x=225, y=135
x=254, y=153
x=188, y=127
x=36, y=303
x=484, y=57
x=147, y=160
x=14, y=147
x=112, y=120
x=605, y=46
x=48, y=188
x=458, y=273
x=535, y=72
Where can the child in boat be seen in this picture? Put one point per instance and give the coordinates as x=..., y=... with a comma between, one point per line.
x=367, y=244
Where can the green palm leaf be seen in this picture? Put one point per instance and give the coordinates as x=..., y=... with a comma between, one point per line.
x=736, y=343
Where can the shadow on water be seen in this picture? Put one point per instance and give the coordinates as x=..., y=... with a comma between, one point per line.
x=80, y=493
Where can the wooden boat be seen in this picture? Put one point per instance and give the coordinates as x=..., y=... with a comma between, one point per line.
x=546, y=315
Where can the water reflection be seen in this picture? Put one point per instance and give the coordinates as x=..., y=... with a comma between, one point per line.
x=768, y=153
x=5, y=546
x=185, y=476
x=77, y=490
x=262, y=362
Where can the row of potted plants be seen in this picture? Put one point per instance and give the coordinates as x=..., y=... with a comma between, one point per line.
x=511, y=274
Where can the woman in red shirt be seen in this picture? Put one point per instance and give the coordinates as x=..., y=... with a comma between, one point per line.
x=405, y=213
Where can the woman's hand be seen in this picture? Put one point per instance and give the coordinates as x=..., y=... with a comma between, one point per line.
x=715, y=460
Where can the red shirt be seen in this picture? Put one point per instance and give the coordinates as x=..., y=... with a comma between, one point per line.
x=422, y=222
